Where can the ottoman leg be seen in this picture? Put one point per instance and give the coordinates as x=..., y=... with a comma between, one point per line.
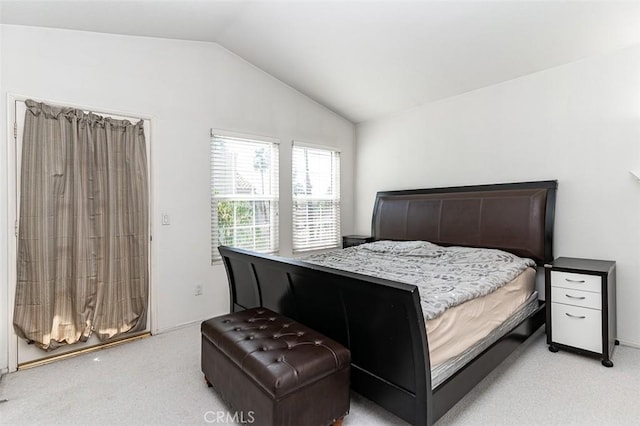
x=208, y=382
x=338, y=422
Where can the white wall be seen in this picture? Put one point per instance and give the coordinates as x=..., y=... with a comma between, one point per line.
x=578, y=123
x=3, y=236
x=188, y=88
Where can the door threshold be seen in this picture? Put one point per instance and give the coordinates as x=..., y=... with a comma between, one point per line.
x=94, y=348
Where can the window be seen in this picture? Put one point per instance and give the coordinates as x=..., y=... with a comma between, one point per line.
x=316, y=198
x=244, y=194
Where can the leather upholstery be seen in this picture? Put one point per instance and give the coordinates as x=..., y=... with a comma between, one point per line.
x=511, y=220
x=280, y=369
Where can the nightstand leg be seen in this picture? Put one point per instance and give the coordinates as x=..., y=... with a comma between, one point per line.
x=553, y=348
x=607, y=363
x=617, y=342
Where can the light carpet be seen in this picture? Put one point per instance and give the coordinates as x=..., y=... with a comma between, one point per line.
x=157, y=381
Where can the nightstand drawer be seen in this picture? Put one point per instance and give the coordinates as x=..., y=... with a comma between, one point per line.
x=577, y=327
x=586, y=299
x=576, y=281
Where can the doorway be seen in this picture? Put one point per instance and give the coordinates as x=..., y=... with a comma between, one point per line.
x=21, y=353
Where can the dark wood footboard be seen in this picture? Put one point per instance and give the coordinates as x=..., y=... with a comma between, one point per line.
x=380, y=321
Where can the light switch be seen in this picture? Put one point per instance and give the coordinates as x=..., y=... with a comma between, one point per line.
x=165, y=219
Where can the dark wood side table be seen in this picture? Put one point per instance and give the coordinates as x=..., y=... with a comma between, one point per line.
x=355, y=240
x=581, y=306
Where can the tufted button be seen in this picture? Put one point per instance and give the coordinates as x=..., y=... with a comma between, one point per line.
x=226, y=321
x=251, y=320
x=289, y=346
x=250, y=338
x=264, y=348
x=262, y=327
x=260, y=312
x=300, y=333
x=317, y=342
x=272, y=319
x=280, y=359
x=275, y=336
x=237, y=329
x=286, y=326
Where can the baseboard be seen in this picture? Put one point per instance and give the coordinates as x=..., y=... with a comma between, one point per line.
x=178, y=327
x=629, y=343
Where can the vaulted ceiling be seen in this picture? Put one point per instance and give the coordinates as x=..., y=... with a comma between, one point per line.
x=366, y=59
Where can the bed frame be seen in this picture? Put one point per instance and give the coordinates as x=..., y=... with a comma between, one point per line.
x=381, y=321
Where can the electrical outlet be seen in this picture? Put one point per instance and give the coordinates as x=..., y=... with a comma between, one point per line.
x=198, y=289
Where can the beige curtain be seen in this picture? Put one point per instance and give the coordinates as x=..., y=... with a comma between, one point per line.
x=83, y=231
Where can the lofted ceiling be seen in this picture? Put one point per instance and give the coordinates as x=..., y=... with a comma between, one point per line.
x=366, y=59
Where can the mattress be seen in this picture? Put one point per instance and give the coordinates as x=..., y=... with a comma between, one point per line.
x=441, y=372
x=462, y=326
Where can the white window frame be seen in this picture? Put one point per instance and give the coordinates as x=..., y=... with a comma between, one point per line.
x=273, y=197
x=302, y=243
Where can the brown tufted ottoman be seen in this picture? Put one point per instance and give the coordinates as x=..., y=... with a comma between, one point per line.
x=274, y=371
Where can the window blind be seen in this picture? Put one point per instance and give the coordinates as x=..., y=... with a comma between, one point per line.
x=244, y=194
x=316, y=198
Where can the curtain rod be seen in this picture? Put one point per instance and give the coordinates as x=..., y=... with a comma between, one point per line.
x=84, y=109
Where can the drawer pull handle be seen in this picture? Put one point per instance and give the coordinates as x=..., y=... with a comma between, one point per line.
x=575, y=316
x=574, y=281
x=575, y=297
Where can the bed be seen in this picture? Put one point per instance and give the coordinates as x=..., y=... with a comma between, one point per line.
x=380, y=320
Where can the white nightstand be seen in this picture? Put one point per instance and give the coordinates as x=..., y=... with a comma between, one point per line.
x=581, y=306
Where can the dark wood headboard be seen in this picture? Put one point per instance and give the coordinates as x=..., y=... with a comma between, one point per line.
x=515, y=217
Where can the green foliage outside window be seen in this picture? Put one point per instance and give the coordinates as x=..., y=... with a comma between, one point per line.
x=244, y=215
x=244, y=223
